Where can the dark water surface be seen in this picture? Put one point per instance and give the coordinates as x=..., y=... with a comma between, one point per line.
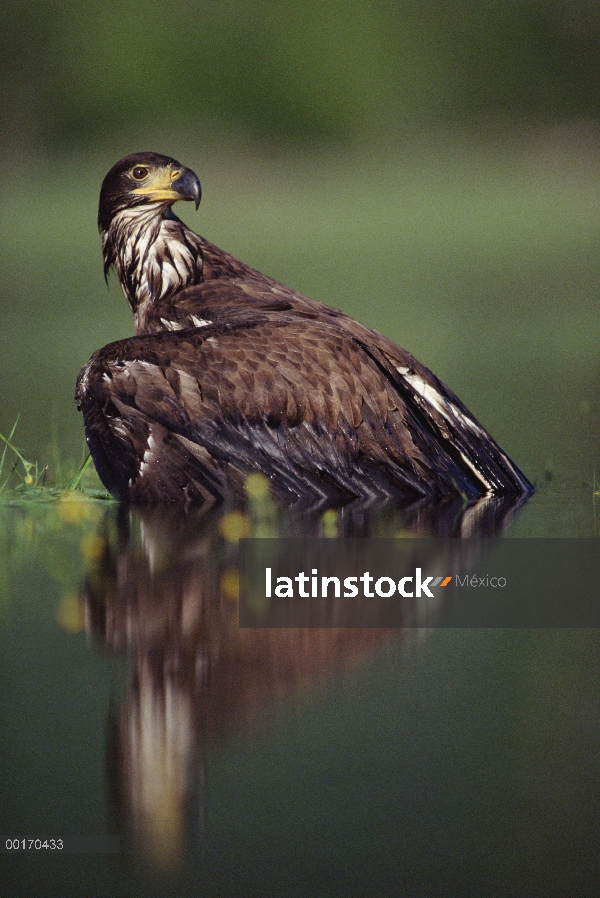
x=283, y=762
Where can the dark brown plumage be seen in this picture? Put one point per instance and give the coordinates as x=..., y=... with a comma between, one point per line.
x=232, y=372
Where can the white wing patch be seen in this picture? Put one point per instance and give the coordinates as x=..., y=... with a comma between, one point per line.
x=442, y=405
x=183, y=325
x=171, y=325
x=149, y=454
x=447, y=410
x=119, y=428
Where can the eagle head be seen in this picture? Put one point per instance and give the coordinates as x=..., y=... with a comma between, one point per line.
x=144, y=178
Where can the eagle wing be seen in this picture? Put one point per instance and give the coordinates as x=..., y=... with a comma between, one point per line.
x=436, y=407
x=318, y=411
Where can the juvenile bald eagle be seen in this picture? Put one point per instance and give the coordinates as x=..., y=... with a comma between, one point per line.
x=230, y=372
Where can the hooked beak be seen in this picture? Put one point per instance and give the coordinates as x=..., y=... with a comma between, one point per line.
x=172, y=184
x=187, y=186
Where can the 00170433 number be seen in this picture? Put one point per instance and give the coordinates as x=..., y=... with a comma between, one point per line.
x=33, y=844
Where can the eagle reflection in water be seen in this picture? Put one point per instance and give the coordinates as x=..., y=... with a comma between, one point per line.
x=164, y=591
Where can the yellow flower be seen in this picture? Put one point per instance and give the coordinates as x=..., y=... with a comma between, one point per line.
x=257, y=486
x=234, y=526
x=230, y=584
x=73, y=508
x=92, y=546
x=70, y=613
x=330, y=523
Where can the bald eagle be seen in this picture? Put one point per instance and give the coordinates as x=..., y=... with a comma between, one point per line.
x=231, y=372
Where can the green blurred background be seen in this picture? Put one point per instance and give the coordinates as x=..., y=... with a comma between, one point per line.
x=432, y=168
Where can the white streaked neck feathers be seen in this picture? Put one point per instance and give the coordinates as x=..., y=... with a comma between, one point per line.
x=154, y=255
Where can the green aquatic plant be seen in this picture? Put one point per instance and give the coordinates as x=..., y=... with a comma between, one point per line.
x=31, y=474
x=24, y=479
x=52, y=523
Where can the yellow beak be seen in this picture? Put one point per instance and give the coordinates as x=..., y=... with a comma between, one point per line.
x=170, y=185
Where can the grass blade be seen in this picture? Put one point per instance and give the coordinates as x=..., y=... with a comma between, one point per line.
x=79, y=475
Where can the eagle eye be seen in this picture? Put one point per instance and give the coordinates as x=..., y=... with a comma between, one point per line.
x=139, y=172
